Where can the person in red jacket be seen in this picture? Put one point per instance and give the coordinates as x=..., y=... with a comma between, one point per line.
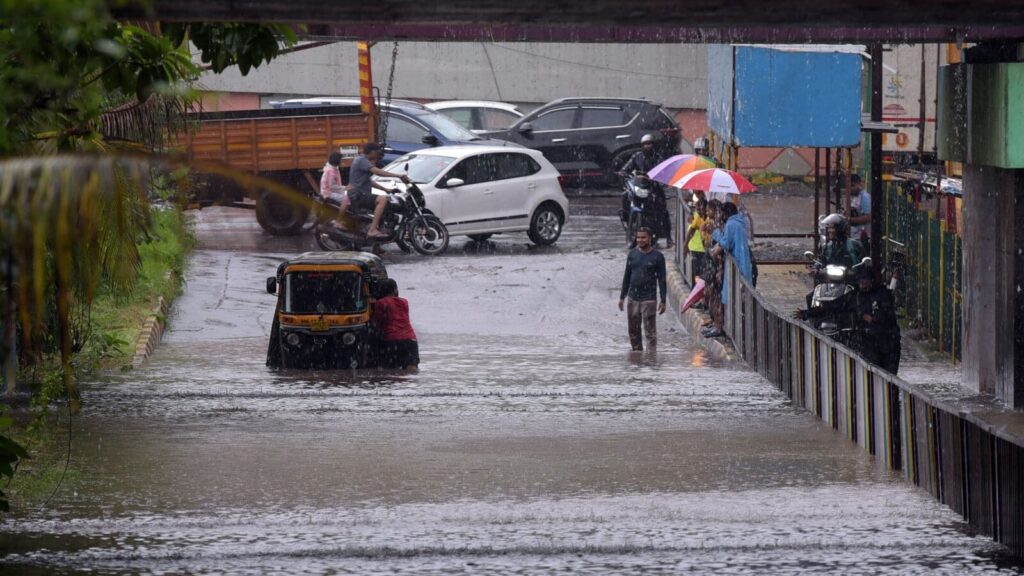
x=391, y=316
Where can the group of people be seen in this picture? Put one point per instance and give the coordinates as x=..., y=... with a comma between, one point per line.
x=876, y=331
x=718, y=228
x=358, y=194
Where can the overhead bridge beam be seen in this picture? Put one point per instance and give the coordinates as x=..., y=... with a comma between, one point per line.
x=696, y=21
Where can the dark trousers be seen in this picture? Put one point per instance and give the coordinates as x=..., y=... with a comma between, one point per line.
x=882, y=352
x=643, y=322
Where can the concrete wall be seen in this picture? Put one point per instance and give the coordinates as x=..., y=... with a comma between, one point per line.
x=672, y=74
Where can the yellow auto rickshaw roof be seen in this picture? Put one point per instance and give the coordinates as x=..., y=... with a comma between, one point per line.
x=364, y=260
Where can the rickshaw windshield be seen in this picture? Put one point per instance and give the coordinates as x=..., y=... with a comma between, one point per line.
x=323, y=293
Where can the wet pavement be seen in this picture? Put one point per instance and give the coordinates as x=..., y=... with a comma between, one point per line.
x=530, y=441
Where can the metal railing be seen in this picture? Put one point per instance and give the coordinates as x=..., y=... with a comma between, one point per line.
x=931, y=291
x=973, y=466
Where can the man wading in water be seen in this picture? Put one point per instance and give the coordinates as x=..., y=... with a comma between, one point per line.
x=643, y=281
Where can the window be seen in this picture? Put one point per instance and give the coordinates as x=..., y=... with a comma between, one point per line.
x=602, y=117
x=402, y=130
x=446, y=126
x=422, y=168
x=496, y=119
x=560, y=119
x=475, y=169
x=515, y=166
x=461, y=116
x=323, y=293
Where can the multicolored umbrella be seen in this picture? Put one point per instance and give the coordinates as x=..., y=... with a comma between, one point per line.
x=718, y=183
x=677, y=166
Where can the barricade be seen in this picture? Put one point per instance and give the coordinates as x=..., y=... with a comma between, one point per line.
x=969, y=464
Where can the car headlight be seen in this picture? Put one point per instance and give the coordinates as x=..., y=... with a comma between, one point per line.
x=835, y=272
x=292, y=339
x=348, y=339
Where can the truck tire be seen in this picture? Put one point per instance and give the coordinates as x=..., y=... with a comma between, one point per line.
x=278, y=216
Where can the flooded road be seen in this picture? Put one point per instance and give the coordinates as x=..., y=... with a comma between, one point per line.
x=531, y=441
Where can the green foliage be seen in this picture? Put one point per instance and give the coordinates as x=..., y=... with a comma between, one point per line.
x=224, y=45
x=10, y=454
x=84, y=99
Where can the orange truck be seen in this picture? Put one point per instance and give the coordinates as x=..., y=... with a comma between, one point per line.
x=289, y=146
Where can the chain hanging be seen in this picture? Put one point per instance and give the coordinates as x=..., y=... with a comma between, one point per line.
x=383, y=110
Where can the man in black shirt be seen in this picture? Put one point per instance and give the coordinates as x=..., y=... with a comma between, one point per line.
x=644, y=281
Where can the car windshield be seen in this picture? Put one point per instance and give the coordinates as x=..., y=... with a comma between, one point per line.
x=423, y=168
x=447, y=127
x=323, y=293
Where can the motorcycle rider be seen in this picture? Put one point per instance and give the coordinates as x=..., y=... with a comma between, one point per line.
x=642, y=162
x=361, y=186
x=701, y=147
x=839, y=249
x=877, y=333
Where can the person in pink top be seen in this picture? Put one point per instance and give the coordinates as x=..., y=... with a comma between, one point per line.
x=391, y=316
x=331, y=187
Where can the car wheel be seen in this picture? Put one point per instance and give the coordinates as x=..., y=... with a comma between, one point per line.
x=480, y=237
x=618, y=161
x=546, y=224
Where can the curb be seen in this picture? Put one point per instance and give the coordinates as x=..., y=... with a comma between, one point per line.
x=692, y=319
x=152, y=332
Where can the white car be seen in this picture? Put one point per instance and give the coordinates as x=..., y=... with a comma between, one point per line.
x=479, y=191
x=478, y=115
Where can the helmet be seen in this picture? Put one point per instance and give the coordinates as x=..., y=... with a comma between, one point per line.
x=837, y=220
x=647, y=138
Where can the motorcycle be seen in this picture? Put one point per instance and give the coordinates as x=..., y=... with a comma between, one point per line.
x=836, y=283
x=406, y=222
x=642, y=208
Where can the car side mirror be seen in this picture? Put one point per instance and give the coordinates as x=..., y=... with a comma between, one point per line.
x=429, y=140
x=525, y=128
x=272, y=285
x=454, y=182
x=809, y=255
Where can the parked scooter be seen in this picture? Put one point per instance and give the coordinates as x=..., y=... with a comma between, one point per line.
x=836, y=283
x=642, y=208
x=406, y=222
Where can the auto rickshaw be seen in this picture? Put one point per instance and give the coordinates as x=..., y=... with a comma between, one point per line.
x=324, y=311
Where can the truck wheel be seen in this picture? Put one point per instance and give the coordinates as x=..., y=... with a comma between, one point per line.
x=280, y=217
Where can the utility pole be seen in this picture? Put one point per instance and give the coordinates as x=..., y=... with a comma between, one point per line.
x=876, y=157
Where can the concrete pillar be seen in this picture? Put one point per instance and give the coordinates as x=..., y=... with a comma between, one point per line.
x=993, y=325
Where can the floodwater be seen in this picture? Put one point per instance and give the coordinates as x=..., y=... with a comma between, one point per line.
x=529, y=442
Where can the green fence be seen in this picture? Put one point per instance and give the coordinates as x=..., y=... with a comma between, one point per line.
x=931, y=293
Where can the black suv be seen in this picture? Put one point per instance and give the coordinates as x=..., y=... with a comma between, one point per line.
x=593, y=137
